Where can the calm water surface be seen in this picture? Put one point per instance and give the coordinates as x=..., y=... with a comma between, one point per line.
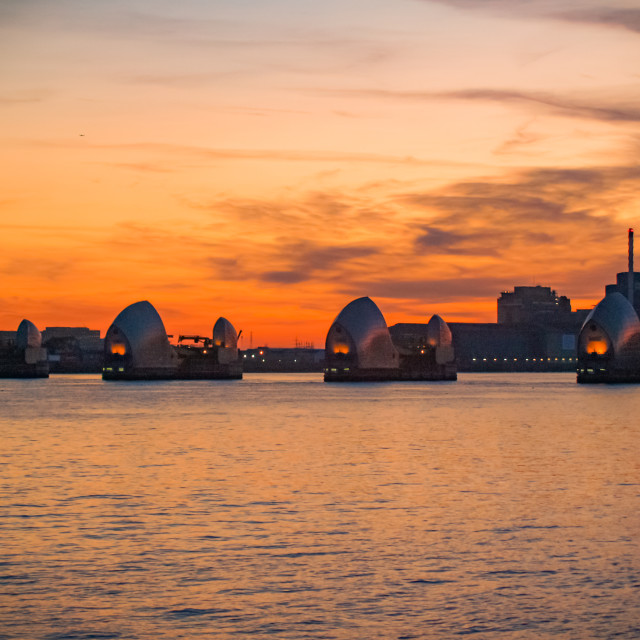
x=500, y=506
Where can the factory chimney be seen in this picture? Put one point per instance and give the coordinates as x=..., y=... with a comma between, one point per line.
x=630, y=277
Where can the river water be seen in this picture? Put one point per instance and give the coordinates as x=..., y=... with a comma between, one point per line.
x=497, y=506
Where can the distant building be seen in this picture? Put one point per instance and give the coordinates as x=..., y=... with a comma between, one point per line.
x=530, y=347
x=530, y=305
x=73, y=349
x=626, y=278
x=69, y=332
x=7, y=338
x=24, y=356
x=622, y=286
x=536, y=331
x=282, y=360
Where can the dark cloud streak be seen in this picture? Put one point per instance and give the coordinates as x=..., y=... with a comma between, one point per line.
x=444, y=289
x=535, y=222
x=309, y=260
x=578, y=11
x=557, y=105
x=538, y=214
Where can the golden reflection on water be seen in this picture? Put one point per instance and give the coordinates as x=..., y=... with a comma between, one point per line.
x=282, y=506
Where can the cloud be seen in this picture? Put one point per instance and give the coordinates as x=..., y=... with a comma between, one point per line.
x=414, y=247
x=559, y=105
x=114, y=17
x=624, y=18
x=331, y=214
x=438, y=240
x=578, y=11
x=441, y=289
x=559, y=224
x=521, y=138
x=468, y=240
x=204, y=44
x=284, y=277
x=590, y=109
x=143, y=167
x=280, y=155
x=39, y=268
x=229, y=269
x=20, y=98
x=310, y=260
x=250, y=241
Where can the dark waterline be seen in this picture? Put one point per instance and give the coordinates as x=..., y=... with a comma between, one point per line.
x=501, y=505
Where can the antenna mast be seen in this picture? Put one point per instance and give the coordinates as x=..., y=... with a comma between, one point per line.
x=630, y=277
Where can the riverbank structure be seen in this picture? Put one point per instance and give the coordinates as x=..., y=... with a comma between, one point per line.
x=137, y=347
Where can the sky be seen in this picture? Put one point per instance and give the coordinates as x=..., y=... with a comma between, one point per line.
x=270, y=161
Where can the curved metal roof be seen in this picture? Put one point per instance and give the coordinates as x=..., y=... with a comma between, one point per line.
x=145, y=335
x=224, y=334
x=28, y=335
x=367, y=332
x=438, y=332
x=226, y=339
x=617, y=319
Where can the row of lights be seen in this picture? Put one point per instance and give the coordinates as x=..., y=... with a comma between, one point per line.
x=528, y=359
x=253, y=355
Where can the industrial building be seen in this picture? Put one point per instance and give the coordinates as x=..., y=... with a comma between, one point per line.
x=73, y=349
x=536, y=330
x=628, y=282
x=531, y=305
x=499, y=347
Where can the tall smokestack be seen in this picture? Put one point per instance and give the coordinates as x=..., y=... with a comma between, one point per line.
x=630, y=278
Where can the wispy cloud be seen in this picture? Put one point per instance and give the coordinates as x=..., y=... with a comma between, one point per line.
x=469, y=239
x=20, y=98
x=589, y=108
x=554, y=223
x=620, y=17
x=38, y=268
x=293, y=155
x=522, y=138
x=581, y=11
x=115, y=17
x=309, y=260
x=441, y=290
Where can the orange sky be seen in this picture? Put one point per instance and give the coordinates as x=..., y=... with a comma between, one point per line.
x=271, y=161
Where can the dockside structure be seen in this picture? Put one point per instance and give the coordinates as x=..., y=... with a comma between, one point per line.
x=24, y=357
x=359, y=348
x=136, y=347
x=609, y=341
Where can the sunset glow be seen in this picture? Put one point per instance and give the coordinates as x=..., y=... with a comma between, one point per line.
x=271, y=161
